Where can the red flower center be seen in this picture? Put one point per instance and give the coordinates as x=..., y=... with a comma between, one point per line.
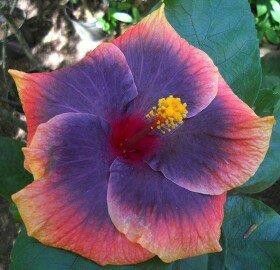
x=133, y=138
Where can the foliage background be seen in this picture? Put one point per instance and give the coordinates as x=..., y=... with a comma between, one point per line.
x=38, y=35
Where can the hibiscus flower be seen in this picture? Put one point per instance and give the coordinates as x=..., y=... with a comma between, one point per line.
x=134, y=148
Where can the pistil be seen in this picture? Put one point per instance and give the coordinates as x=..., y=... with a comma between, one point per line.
x=135, y=137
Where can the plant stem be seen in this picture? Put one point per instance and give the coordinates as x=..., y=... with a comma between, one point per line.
x=4, y=65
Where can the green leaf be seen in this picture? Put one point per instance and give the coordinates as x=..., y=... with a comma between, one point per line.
x=271, y=74
x=269, y=94
x=104, y=24
x=261, y=8
x=136, y=14
x=13, y=176
x=15, y=213
x=122, y=17
x=29, y=254
x=252, y=234
x=275, y=13
x=264, y=23
x=272, y=36
x=272, y=82
x=267, y=101
x=225, y=30
x=270, y=64
x=122, y=6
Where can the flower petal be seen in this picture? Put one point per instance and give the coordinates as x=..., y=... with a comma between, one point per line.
x=101, y=84
x=164, y=218
x=162, y=63
x=218, y=149
x=66, y=207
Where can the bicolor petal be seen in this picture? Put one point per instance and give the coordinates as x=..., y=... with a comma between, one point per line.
x=66, y=207
x=101, y=84
x=162, y=217
x=164, y=64
x=218, y=149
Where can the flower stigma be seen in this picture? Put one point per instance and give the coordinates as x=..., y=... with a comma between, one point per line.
x=136, y=136
x=169, y=113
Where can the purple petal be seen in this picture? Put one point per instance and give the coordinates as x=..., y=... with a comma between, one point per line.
x=164, y=218
x=164, y=64
x=66, y=207
x=218, y=149
x=101, y=84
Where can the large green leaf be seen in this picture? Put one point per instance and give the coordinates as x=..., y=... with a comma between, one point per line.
x=29, y=254
x=225, y=30
x=13, y=176
x=270, y=63
x=252, y=235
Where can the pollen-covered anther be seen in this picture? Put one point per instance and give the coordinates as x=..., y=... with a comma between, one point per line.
x=169, y=113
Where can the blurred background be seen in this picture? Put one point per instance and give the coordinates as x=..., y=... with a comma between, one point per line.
x=41, y=35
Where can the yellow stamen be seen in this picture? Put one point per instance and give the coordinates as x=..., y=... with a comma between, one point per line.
x=169, y=113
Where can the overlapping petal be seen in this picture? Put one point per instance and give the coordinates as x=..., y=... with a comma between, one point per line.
x=218, y=149
x=101, y=84
x=164, y=218
x=66, y=207
x=164, y=64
